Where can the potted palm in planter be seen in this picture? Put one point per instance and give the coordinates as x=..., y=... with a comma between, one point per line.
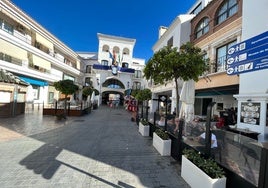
x=162, y=142
x=197, y=170
x=144, y=127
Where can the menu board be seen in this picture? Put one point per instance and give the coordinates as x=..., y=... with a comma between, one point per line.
x=250, y=113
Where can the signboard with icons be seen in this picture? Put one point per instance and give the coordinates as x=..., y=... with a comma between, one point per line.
x=247, y=56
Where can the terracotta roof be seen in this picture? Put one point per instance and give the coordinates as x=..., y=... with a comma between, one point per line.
x=8, y=77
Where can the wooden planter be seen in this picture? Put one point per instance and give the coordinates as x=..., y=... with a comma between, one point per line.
x=196, y=178
x=162, y=146
x=144, y=129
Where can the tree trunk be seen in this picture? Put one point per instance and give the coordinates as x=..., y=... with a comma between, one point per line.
x=65, y=105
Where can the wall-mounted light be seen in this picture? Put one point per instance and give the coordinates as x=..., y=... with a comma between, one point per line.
x=98, y=81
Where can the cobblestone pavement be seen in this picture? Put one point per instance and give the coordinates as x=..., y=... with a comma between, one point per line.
x=98, y=150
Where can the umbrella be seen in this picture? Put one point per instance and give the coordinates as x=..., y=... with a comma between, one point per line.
x=187, y=97
x=92, y=97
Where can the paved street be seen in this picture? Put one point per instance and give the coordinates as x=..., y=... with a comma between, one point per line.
x=101, y=149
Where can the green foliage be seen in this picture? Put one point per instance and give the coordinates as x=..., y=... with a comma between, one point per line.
x=209, y=166
x=96, y=91
x=134, y=92
x=170, y=64
x=66, y=87
x=87, y=91
x=144, y=122
x=143, y=95
x=162, y=134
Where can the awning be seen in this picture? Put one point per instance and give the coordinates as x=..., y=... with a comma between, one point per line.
x=14, y=15
x=34, y=81
x=44, y=41
x=41, y=62
x=12, y=50
x=226, y=90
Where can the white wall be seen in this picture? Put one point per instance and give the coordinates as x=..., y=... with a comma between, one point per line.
x=254, y=85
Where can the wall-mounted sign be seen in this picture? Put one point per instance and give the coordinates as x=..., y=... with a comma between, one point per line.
x=250, y=113
x=249, y=55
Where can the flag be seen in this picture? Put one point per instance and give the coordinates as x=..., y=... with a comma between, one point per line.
x=114, y=59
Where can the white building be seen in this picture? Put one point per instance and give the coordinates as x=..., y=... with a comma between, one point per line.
x=29, y=51
x=253, y=88
x=175, y=35
x=113, y=70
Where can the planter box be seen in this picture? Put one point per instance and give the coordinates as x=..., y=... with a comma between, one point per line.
x=144, y=129
x=195, y=177
x=162, y=146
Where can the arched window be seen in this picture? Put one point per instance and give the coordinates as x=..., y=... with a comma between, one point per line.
x=113, y=83
x=202, y=27
x=126, y=51
x=105, y=48
x=226, y=10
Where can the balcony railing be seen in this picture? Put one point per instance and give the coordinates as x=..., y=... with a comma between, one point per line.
x=106, y=67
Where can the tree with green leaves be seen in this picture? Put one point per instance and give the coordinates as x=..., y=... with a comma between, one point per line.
x=144, y=95
x=171, y=64
x=66, y=87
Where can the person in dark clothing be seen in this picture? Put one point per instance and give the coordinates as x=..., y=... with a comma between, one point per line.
x=231, y=116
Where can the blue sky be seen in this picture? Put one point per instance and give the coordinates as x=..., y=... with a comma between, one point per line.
x=76, y=23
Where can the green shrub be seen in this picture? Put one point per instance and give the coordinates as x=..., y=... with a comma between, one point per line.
x=209, y=166
x=144, y=122
x=162, y=134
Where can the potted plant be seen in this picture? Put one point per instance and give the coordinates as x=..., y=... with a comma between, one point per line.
x=162, y=142
x=196, y=170
x=144, y=127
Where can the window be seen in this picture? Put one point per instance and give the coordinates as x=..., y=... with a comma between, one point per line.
x=228, y=8
x=137, y=74
x=88, y=68
x=88, y=81
x=202, y=28
x=170, y=42
x=8, y=28
x=125, y=65
x=1, y=23
x=113, y=83
x=68, y=77
x=104, y=62
x=136, y=85
x=197, y=9
x=50, y=97
x=222, y=56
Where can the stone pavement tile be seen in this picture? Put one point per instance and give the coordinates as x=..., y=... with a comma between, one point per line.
x=102, y=149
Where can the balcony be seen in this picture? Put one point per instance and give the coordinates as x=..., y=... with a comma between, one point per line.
x=107, y=67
